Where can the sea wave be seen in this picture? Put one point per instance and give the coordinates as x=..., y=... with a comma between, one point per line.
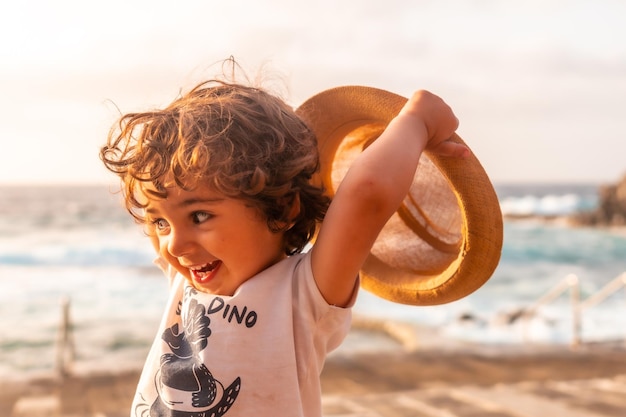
x=78, y=257
x=546, y=205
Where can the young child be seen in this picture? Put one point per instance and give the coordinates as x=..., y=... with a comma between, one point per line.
x=221, y=181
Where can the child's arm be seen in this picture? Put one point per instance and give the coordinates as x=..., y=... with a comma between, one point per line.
x=373, y=188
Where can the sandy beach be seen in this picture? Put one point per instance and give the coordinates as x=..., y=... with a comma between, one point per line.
x=436, y=378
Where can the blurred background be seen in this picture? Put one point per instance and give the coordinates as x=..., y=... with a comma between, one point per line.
x=539, y=88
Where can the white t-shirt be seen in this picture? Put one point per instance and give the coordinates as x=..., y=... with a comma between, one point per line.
x=258, y=353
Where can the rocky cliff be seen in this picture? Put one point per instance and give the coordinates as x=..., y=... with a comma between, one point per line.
x=611, y=210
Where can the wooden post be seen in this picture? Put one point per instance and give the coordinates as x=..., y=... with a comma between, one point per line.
x=576, y=319
x=65, y=342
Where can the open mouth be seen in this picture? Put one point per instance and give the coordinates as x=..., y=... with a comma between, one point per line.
x=205, y=272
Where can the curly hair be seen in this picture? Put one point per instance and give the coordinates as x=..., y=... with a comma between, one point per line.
x=240, y=140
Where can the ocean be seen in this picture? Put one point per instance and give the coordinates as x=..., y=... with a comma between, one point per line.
x=77, y=245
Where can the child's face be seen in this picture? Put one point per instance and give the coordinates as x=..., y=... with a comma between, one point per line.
x=216, y=242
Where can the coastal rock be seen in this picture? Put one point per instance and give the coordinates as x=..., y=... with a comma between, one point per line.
x=611, y=209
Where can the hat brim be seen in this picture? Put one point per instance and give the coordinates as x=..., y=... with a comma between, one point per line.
x=468, y=255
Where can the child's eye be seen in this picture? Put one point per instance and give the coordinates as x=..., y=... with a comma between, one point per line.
x=160, y=224
x=200, y=216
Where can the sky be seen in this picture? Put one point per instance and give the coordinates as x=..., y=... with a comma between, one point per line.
x=539, y=86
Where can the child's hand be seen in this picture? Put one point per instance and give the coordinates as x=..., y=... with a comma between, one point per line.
x=439, y=121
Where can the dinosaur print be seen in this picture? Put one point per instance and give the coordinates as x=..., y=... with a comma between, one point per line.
x=185, y=386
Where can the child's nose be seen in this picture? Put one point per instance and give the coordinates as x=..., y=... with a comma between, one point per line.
x=179, y=243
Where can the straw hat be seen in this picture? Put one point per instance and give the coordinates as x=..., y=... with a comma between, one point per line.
x=444, y=242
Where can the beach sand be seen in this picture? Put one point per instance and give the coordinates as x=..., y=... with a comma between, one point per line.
x=438, y=378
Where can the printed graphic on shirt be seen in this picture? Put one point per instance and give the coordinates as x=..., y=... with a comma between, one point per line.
x=185, y=386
